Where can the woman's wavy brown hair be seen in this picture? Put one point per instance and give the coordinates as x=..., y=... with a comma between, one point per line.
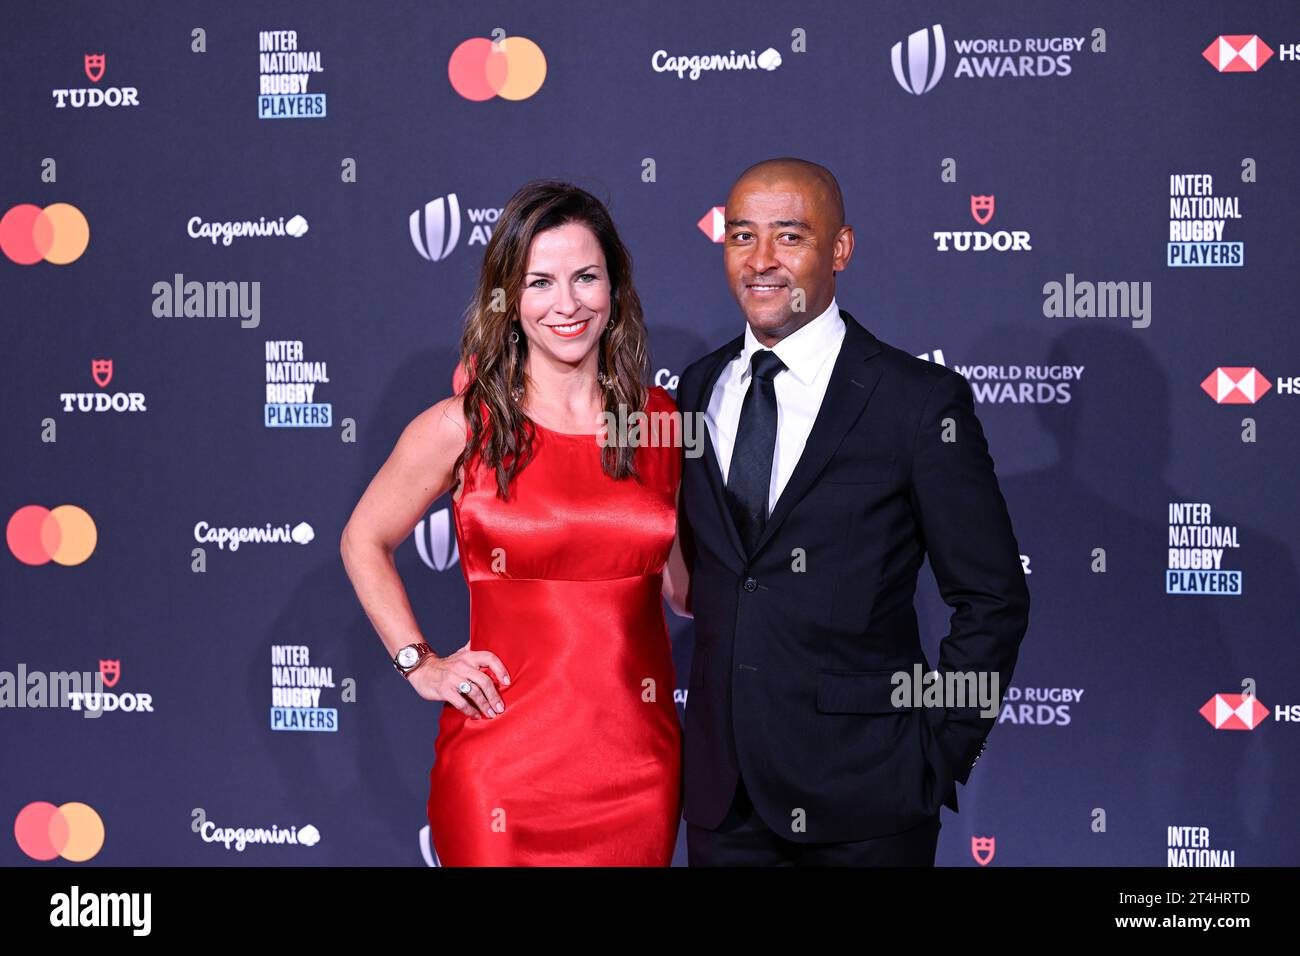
x=495, y=365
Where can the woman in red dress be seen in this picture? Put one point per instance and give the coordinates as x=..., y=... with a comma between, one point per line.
x=559, y=742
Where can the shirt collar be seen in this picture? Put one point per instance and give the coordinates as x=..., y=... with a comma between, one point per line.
x=803, y=351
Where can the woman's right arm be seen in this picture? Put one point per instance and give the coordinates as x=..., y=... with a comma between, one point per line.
x=416, y=474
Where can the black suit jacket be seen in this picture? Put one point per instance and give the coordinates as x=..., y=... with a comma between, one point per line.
x=790, y=680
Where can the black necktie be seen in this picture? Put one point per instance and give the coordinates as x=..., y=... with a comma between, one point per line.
x=749, y=476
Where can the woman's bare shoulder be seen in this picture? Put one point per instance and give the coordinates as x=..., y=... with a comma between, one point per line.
x=438, y=430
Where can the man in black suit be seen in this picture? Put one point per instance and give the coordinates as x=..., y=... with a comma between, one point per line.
x=833, y=464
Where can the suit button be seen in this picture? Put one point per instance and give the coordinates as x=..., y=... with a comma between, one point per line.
x=751, y=584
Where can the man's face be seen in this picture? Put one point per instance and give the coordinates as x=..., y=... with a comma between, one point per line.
x=780, y=239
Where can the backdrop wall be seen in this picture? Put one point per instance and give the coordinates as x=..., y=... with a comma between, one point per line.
x=1117, y=143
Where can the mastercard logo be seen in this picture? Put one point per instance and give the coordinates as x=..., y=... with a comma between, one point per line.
x=73, y=831
x=57, y=234
x=65, y=535
x=513, y=69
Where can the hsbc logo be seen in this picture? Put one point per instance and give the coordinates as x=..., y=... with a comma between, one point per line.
x=436, y=542
x=1240, y=53
x=1245, y=712
x=435, y=229
x=1237, y=385
x=1234, y=711
x=714, y=223
x=1245, y=53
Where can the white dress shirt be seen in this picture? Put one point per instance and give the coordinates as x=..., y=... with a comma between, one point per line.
x=809, y=355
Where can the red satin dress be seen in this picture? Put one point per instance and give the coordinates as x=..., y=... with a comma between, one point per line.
x=584, y=766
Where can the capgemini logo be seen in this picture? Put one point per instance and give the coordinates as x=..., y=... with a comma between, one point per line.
x=919, y=77
x=435, y=541
x=441, y=228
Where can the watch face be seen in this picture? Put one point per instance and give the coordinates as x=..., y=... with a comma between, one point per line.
x=407, y=656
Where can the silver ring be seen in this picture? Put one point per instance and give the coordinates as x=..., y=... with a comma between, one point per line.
x=464, y=687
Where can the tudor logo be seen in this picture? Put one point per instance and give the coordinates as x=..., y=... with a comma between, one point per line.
x=110, y=671
x=981, y=207
x=101, y=370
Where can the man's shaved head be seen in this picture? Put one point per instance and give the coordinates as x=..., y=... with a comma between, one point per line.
x=785, y=241
x=790, y=168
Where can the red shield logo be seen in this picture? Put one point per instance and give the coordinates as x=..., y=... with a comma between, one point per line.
x=110, y=671
x=981, y=207
x=982, y=849
x=101, y=370
x=95, y=66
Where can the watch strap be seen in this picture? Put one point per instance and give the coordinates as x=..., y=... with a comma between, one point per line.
x=422, y=651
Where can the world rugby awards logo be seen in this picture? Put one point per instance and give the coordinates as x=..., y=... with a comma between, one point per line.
x=436, y=237
x=435, y=541
x=918, y=70
x=921, y=76
x=441, y=228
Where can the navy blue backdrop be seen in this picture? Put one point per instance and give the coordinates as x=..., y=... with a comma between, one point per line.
x=1156, y=707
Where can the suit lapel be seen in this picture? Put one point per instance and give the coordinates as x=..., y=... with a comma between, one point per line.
x=853, y=379
x=711, y=466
